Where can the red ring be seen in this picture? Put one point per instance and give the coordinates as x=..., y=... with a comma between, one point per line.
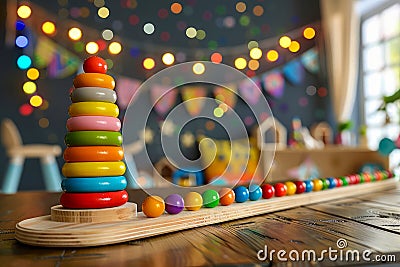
x=93, y=200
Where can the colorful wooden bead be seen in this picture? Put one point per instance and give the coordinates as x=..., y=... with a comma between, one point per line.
x=354, y=179
x=193, y=201
x=153, y=206
x=174, y=204
x=339, y=182
x=94, y=184
x=332, y=182
x=300, y=187
x=95, y=64
x=210, y=198
x=345, y=180
x=268, y=191
x=93, y=109
x=317, y=185
x=93, y=138
x=93, y=123
x=291, y=188
x=241, y=194
x=96, y=200
x=93, y=153
x=94, y=80
x=309, y=186
x=280, y=189
x=378, y=175
x=93, y=94
x=255, y=192
x=93, y=169
x=226, y=196
x=325, y=183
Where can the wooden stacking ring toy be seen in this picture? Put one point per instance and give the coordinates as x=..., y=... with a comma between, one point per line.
x=93, y=153
x=94, y=184
x=93, y=138
x=93, y=169
x=93, y=200
x=93, y=123
x=93, y=109
x=94, y=80
x=93, y=94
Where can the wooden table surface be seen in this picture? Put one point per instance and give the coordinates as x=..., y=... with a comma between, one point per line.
x=363, y=223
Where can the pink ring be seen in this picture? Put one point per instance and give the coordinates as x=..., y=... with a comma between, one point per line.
x=93, y=123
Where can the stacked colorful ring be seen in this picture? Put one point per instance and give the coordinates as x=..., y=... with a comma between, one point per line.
x=93, y=158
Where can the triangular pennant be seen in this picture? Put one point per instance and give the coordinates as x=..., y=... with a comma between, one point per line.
x=193, y=98
x=125, y=89
x=250, y=90
x=310, y=60
x=294, y=72
x=226, y=95
x=274, y=83
x=163, y=98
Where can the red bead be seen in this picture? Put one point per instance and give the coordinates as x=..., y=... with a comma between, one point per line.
x=378, y=175
x=95, y=64
x=93, y=200
x=339, y=182
x=280, y=190
x=300, y=187
x=367, y=177
x=268, y=191
x=354, y=179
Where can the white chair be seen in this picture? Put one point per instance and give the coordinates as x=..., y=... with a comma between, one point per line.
x=17, y=152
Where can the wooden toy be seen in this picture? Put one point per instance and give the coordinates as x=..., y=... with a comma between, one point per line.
x=94, y=80
x=268, y=191
x=93, y=123
x=227, y=196
x=210, y=198
x=94, y=184
x=193, y=201
x=93, y=153
x=93, y=109
x=280, y=189
x=94, y=138
x=95, y=64
x=255, y=192
x=153, y=206
x=174, y=204
x=94, y=94
x=241, y=194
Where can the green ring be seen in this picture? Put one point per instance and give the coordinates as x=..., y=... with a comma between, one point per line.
x=93, y=138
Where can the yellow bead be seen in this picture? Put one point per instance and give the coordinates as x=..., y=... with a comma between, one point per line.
x=291, y=188
x=93, y=169
x=93, y=109
x=193, y=201
x=318, y=184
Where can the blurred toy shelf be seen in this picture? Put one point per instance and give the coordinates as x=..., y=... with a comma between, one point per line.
x=329, y=161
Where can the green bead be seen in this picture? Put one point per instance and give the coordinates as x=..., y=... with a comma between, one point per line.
x=344, y=180
x=362, y=178
x=93, y=138
x=210, y=198
x=325, y=184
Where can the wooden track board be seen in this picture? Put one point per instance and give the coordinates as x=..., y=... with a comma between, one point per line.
x=41, y=231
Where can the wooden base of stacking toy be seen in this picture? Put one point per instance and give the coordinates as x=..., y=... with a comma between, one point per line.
x=122, y=213
x=43, y=231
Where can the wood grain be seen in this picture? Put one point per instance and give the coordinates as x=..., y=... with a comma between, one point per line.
x=41, y=231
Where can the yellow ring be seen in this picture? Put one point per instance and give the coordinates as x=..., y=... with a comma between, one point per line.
x=93, y=109
x=93, y=169
x=94, y=80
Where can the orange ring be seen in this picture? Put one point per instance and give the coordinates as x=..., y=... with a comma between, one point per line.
x=93, y=153
x=94, y=80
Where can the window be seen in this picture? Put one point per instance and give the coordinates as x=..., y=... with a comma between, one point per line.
x=380, y=73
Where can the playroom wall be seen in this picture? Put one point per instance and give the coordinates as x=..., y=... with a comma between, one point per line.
x=295, y=101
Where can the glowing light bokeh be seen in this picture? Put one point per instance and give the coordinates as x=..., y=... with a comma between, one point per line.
x=24, y=62
x=29, y=87
x=255, y=53
x=44, y=123
x=103, y=12
x=254, y=64
x=272, y=55
x=115, y=48
x=191, y=32
x=25, y=110
x=240, y=7
x=36, y=101
x=48, y=27
x=21, y=41
x=149, y=63
x=75, y=34
x=216, y=58
x=148, y=28
x=252, y=44
x=201, y=34
x=285, y=41
x=258, y=10
x=309, y=33
x=168, y=59
x=24, y=12
x=176, y=8
x=92, y=48
x=32, y=74
x=198, y=68
x=240, y=63
x=218, y=112
x=294, y=46
x=107, y=34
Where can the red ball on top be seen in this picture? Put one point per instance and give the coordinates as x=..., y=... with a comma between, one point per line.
x=300, y=187
x=95, y=64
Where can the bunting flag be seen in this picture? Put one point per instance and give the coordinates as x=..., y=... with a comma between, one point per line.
x=294, y=72
x=196, y=94
x=250, y=91
x=60, y=63
x=126, y=89
x=226, y=95
x=274, y=83
x=310, y=60
x=163, y=98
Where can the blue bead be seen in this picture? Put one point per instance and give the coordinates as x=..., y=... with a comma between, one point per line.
x=241, y=194
x=94, y=184
x=255, y=192
x=309, y=185
x=332, y=182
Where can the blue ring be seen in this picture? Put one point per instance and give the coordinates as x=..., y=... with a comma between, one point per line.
x=94, y=184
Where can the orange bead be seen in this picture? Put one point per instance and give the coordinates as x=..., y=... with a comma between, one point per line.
x=153, y=206
x=227, y=196
x=94, y=80
x=291, y=188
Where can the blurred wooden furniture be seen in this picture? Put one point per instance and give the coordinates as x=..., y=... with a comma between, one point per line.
x=18, y=152
x=367, y=222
